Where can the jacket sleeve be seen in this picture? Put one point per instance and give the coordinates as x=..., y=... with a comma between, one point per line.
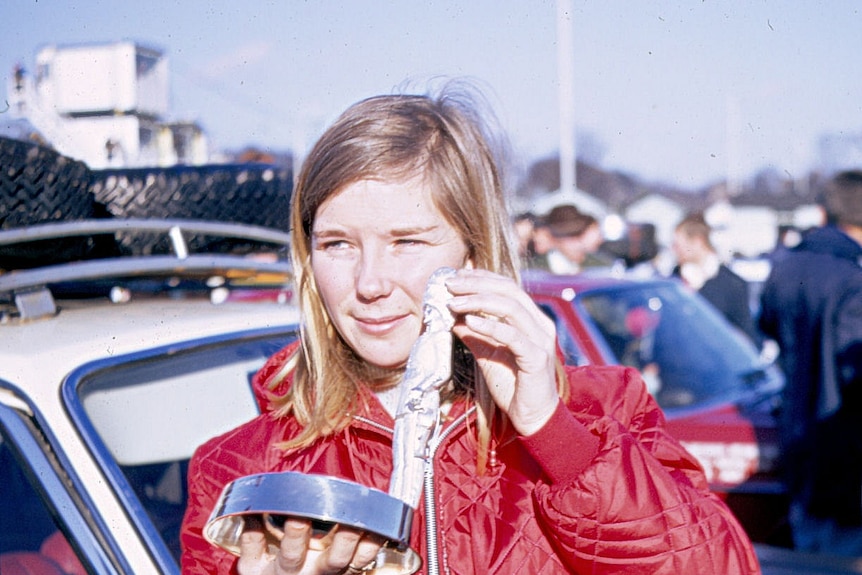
x=642, y=503
x=848, y=335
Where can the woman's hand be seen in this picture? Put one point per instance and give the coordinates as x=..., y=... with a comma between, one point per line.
x=513, y=341
x=300, y=552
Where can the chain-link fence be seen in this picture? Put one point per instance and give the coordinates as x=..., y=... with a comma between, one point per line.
x=255, y=194
x=38, y=185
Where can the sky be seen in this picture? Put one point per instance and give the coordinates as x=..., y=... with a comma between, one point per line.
x=680, y=92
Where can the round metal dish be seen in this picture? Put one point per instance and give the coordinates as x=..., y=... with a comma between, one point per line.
x=323, y=499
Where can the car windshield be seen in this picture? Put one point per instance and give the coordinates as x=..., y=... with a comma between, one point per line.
x=688, y=354
x=145, y=414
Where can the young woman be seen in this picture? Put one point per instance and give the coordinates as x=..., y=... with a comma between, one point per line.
x=536, y=468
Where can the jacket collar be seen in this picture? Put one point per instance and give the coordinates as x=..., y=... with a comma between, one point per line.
x=270, y=381
x=376, y=415
x=831, y=240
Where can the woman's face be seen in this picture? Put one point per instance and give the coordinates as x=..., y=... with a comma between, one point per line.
x=374, y=246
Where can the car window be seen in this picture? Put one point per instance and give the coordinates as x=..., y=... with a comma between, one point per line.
x=45, y=528
x=26, y=522
x=687, y=353
x=572, y=353
x=145, y=415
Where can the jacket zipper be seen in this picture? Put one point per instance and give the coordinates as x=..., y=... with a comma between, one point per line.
x=431, y=536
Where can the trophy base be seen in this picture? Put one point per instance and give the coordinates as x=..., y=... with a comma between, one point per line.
x=325, y=501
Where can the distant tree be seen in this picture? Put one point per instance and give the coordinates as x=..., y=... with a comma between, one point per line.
x=769, y=182
x=255, y=155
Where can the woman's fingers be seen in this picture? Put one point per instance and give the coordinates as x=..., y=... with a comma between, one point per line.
x=495, y=310
x=495, y=297
x=294, y=545
x=348, y=548
x=513, y=341
x=339, y=554
x=301, y=551
x=254, y=556
x=366, y=551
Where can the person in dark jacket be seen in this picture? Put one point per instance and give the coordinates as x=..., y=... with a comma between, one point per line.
x=531, y=467
x=812, y=306
x=700, y=267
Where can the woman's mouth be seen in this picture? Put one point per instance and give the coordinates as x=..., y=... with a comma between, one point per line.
x=379, y=325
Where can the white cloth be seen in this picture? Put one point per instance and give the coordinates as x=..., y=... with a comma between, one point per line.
x=695, y=274
x=560, y=264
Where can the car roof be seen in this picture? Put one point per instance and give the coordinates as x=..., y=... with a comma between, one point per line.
x=56, y=317
x=546, y=283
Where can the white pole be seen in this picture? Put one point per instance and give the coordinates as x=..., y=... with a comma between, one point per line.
x=565, y=73
x=732, y=124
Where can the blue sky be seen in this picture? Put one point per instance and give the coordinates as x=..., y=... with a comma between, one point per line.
x=679, y=91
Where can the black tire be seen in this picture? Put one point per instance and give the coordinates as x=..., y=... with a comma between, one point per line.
x=38, y=185
x=254, y=194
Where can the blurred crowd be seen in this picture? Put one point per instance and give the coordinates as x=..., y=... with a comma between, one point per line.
x=563, y=241
x=807, y=315
x=566, y=240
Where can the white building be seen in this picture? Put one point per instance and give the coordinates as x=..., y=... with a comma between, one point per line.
x=106, y=105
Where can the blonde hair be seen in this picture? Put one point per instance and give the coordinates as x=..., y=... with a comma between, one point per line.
x=444, y=139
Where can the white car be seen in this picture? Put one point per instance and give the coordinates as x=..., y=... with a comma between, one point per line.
x=112, y=371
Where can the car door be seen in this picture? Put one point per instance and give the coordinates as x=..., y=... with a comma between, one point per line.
x=142, y=415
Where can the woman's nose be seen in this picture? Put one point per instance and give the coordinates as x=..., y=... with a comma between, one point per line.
x=374, y=275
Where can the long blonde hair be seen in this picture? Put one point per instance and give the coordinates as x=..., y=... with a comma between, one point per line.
x=445, y=138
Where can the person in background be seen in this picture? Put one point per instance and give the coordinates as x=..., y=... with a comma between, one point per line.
x=577, y=238
x=540, y=244
x=540, y=468
x=788, y=237
x=525, y=232
x=699, y=266
x=811, y=304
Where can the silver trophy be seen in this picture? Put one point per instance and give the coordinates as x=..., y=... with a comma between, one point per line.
x=328, y=501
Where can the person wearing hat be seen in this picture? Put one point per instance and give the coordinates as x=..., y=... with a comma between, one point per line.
x=576, y=239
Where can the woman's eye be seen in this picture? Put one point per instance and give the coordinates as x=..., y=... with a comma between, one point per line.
x=332, y=245
x=408, y=242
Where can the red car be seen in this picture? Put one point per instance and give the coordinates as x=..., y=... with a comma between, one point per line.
x=719, y=397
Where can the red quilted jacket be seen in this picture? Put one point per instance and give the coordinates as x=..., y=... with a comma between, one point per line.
x=602, y=488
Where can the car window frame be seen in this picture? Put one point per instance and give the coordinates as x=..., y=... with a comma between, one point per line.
x=585, y=336
x=92, y=440
x=52, y=476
